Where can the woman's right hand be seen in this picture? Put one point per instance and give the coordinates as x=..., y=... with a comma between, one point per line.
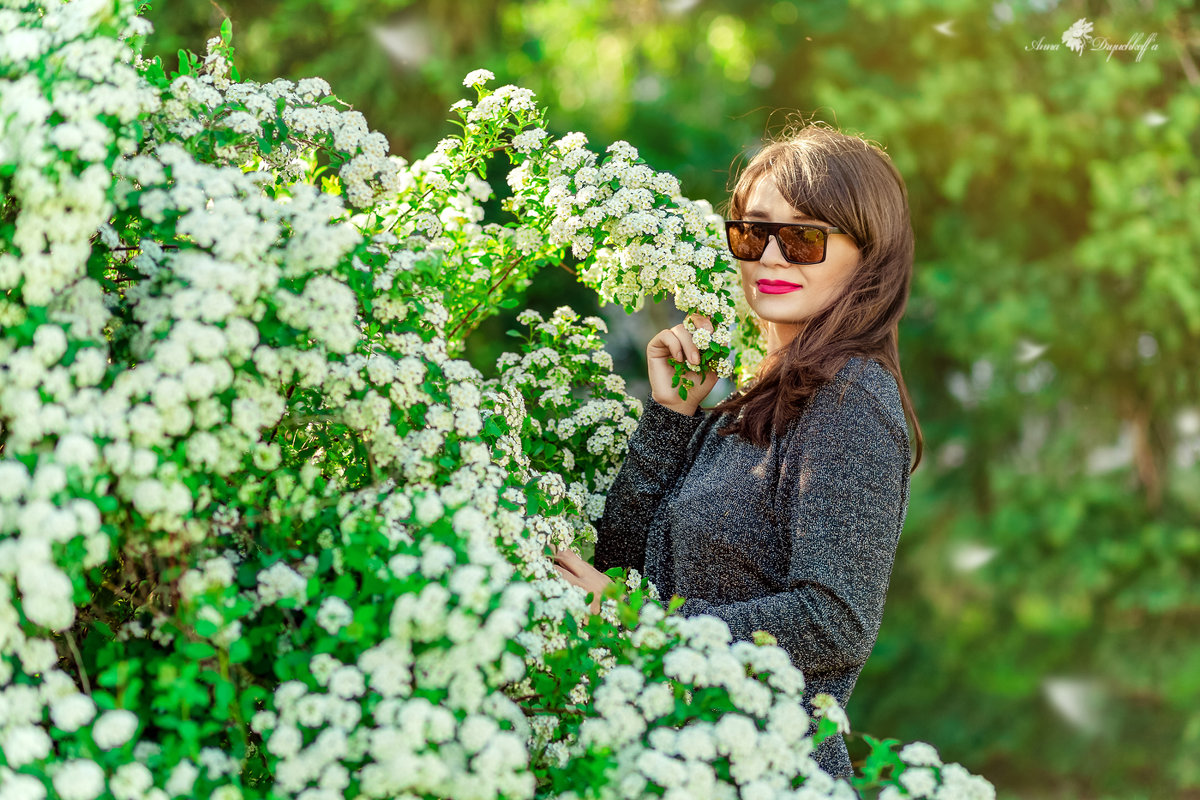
x=677, y=343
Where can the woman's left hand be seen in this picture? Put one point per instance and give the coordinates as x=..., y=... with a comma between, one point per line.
x=582, y=574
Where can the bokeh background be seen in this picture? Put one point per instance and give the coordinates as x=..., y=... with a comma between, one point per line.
x=1043, y=620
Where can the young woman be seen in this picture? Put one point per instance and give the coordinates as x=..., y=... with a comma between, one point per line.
x=781, y=508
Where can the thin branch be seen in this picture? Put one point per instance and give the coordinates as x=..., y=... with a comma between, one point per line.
x=291, y=389
x=492, y=288
x=87, y=686
x=292, y=423
x=474, y=159
x=1190, y=71
x=529, y=712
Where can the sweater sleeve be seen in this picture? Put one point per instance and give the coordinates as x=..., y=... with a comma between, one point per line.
x=841, y=501
x=654, y=461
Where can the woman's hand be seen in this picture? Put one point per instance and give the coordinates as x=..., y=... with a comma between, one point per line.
x=677, y=343
x=582, y=574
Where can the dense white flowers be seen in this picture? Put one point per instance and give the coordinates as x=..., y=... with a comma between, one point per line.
x=79, y=779
x=72, y=712
x=528, y=141
x=24, y=744
x=280, y=582
x=114, y=728
x=478, y=77
x=236, y=431
x=920, y=754
x=335, y=614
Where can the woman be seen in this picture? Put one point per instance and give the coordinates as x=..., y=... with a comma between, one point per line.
x=781, y=508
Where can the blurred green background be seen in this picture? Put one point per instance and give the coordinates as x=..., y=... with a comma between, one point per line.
x=1043, y=620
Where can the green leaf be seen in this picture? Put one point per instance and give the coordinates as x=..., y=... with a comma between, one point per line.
x=206, y=627
x=239, y=651
x=825, y=729
x=199, y=650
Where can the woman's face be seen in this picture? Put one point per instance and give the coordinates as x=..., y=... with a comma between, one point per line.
x=818, y=285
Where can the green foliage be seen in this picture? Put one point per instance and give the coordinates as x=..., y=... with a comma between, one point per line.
x=1053, y=198
x=299, y=542
x=1055, y=309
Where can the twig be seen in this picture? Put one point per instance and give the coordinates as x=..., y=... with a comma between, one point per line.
x=87, y=687
x=1185, y=59
x=525, y=697
x=492, y=288
x=572, y=711
x=474, y=159
x=271, y=438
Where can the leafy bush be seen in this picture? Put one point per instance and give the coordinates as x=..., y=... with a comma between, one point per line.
x=261, y=533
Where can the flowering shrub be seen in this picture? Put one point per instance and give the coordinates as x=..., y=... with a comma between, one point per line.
x=261, y=534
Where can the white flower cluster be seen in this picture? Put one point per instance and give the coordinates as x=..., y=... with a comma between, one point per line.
x=58, y=177
x=24, y=741
x=761, y=743
x=507, y=99
x=33, y=526
x=235, y=405
x=361, y=721
x=209, y=101
x=578, y=405
x=657, y=241
x=478, y=77
x=951, y=782
x=530, y=140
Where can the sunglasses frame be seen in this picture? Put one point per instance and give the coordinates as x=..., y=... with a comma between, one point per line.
x=773, y=229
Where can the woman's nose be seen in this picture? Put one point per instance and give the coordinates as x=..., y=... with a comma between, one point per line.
x=772, y=251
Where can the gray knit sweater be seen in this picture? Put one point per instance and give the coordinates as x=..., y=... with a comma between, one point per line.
x=797, y=538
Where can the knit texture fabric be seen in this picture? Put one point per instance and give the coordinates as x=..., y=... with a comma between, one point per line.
x=797, y=538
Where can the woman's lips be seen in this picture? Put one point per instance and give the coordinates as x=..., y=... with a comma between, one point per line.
x=777, y=287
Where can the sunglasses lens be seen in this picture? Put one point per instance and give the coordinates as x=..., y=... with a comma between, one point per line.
x=800, y=244
x=747, y=240
x=805, y=245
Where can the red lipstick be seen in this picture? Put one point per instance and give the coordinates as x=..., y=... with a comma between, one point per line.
x=777, y=287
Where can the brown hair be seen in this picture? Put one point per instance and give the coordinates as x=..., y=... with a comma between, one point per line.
x=851, y=183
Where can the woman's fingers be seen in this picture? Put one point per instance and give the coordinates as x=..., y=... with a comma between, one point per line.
x=667, y=342
x=570, y=557
x=689, y=346
x=677, y=344
x=678, y=339
x=680, y=344
x=561, y=559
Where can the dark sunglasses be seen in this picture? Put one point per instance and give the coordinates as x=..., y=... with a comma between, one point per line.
x=799, y=243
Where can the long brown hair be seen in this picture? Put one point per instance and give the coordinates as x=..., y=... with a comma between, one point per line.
x=851, y=183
